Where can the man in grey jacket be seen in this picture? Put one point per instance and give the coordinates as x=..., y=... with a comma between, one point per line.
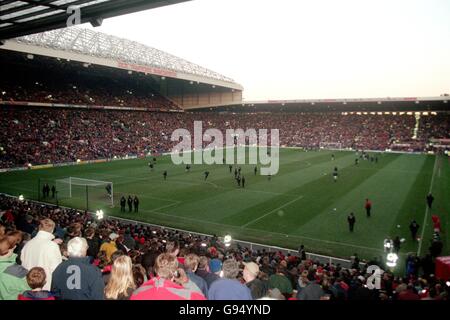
x=76, y=278
x=313, y=291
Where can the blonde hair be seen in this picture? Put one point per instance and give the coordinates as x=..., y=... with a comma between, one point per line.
x=166, y=265
x=191, y=262
x=121, y=278
x=47, y=225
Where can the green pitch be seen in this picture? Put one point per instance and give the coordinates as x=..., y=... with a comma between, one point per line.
x=300, y=205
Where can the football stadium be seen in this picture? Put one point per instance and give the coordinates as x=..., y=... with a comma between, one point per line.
x=284, y=199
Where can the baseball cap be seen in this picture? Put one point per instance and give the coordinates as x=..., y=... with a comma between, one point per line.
x=252, y=267
x=113, y=236
x=215, y=265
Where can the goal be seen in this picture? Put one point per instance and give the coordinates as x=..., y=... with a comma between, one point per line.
x=92, y=191
x=330, y=145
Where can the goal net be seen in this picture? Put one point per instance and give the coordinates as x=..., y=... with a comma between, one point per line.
x=95, y=192
x=330, y=145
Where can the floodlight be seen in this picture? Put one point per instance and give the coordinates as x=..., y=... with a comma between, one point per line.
x=392, y=260
x=99, y=214
x=227, y=240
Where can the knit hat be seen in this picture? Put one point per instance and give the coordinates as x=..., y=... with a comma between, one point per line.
x=215, y=265
x=252, y=267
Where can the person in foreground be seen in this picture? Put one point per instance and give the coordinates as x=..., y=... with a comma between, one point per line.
x=228, y=287
x=76, y=278
x=170, y=283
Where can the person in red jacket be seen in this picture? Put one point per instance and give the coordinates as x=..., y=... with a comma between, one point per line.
x=368, y=207
x=436, y=223
x=170, y=283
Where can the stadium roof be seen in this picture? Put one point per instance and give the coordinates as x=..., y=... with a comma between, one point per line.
x=19, y=18
x=98, y=48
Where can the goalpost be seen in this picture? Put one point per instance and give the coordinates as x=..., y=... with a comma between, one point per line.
x=330, y=145
x=92, y=190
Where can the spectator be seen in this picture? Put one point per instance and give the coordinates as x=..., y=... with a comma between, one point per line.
x=12, y=276
x=110, y=247
x=170, y=283
x=302, y=281
x=406, y=292
x=302, y=252
x=120, y=245
x=280, y=281
x=148, y=262
x=139, y=275
x=76, y=278
x=228, y=287
x=27, y=226
x=128, y=240
x=312, y=291
x=36, y=280
x=273, y=294
x=42, y=251
x=191, y=264
x=257, y=287
x=106, y=266
x=121, y=282
x=93, y=242
x=173, y=248
x=209, y=271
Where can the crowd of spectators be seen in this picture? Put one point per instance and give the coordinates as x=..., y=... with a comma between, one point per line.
x=434, y=128
x=48, y=82
x=44, y=135
x=50, y=253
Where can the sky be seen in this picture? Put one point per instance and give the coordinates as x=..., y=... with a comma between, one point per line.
x=306, y=49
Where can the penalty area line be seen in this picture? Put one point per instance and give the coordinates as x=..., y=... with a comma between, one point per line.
x=272, y=211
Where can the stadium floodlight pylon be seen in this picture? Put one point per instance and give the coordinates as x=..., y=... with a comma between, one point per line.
x=97, y=190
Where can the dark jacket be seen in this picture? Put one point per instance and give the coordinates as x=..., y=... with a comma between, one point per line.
x=313, y=291
x=76, y=279
x=258, y=288
x=209, y=277
x=129, y=242
x=94, y=246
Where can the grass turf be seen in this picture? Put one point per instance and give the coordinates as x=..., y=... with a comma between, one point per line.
x=299, y=205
